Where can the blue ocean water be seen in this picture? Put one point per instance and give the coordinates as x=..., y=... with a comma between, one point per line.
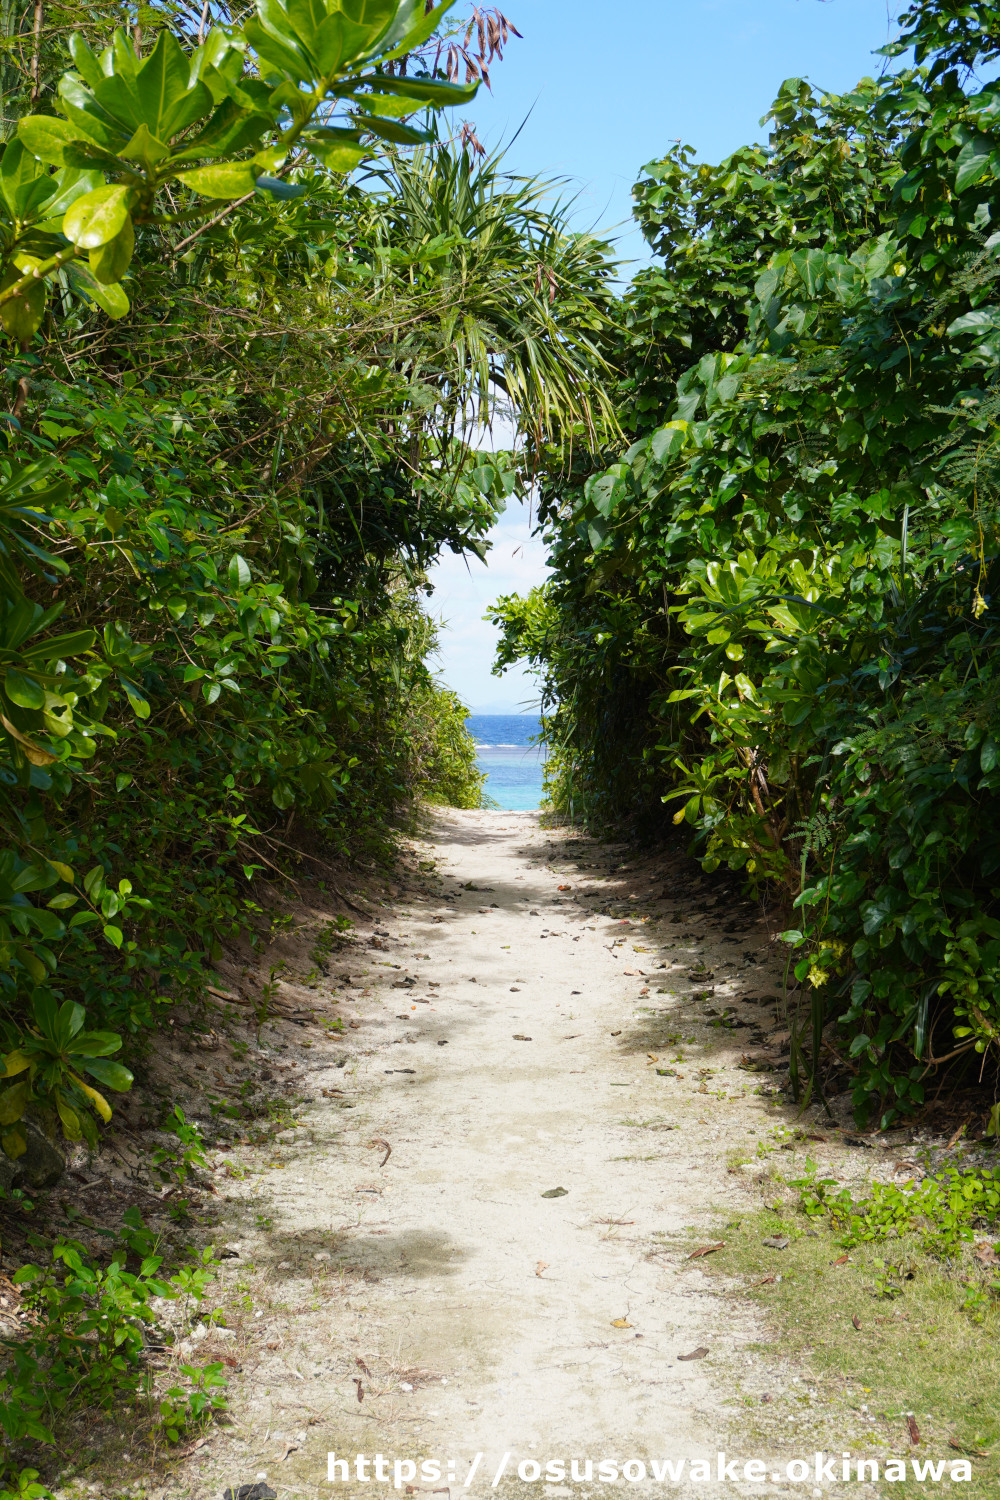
x=513, y=765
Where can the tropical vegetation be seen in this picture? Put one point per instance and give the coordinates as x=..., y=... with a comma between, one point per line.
x=772, y=614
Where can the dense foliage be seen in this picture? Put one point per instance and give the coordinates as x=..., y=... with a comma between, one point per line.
x=240, y=381
x=775, y=611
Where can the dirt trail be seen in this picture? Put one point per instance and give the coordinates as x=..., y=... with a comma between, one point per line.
x=510, y=1042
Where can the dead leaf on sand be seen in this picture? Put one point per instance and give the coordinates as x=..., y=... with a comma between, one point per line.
x=620, y=1323
x=706, y=1250
x=378, y=1141
x=541, y=1266
x=698, y=1353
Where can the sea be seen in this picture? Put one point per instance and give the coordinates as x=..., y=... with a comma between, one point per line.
x=513, y=765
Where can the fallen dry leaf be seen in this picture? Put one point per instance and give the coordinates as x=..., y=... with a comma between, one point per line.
x=856, y=1321
x=840, y=1261
x=193, y=1447
x=519, y=1038
x=914, y=1430
x=378, y=1141
x=289, y=1448
x=620, y=1323
x=541, y=1266
x=362, y=1366
x=361, y=1389
x=698, y=1353
x=961, y=1448
x=985, y=1253
x=767, y=1281
x=565, y=887
x=706, y=1250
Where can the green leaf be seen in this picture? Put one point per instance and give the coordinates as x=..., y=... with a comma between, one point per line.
x=338, y=155
x=110, y=262
x=13, y=1102
x=69, y=1119
x=226, y=181
x=239, y=572
x=668, y=441
x=981, y=320
x=14, y=1142
x=21, y=315
x=972, y=162
x=167, y=101
x=56, y=647
x=146, y=148
x=137, y=699
x=113, y=1075
x=111, y=299
x=47, y=136
x=429, y=91
x=97, y=217
x=392, y=130
x=24, y=691
x=96, y=1044
x=413, y=25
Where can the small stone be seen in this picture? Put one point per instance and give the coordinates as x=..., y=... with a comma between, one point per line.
x=41, y=1165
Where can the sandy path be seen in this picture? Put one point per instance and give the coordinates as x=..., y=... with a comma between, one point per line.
x=478, y=1314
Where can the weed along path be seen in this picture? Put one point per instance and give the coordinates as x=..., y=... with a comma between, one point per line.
x=482, y=1235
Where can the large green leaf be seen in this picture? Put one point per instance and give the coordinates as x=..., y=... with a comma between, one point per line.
x=112, y=1074
x=97, y=217
x=111, y=299
x=428, y=90
x=47, y=136
x=392, y=130
x=412, y=26
x=227, y=181
x=97, y=1044
x=169, y=103
x=23, y=690
x=21, y=315
x=110, y=262
x=338, y=150
x=972, y=162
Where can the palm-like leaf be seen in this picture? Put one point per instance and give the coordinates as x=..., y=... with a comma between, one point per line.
x=517, y=300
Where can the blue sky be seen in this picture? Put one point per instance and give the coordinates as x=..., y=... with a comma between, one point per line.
x=600, y=89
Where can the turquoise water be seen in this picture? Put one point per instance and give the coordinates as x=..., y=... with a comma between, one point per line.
x=512, y=764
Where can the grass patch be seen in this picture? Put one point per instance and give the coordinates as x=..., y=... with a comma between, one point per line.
x=926, y=1349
